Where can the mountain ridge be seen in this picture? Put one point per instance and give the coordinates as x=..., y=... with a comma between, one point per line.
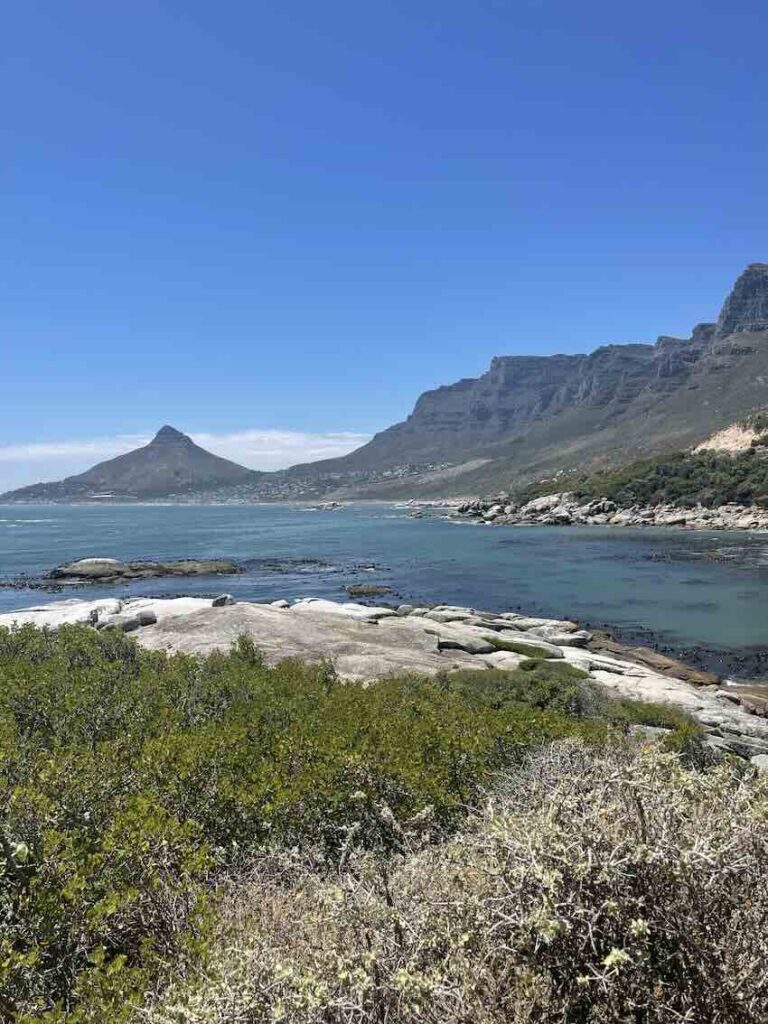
x=526, y=417
x=538, y=414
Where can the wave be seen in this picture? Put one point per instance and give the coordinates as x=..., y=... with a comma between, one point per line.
x=17, y=521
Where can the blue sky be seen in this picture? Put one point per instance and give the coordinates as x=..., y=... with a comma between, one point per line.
x=274, y=224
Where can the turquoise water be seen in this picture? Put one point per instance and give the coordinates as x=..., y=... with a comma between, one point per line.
x=688, y=591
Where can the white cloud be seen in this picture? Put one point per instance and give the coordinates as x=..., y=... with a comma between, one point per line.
x=276, y=449
x=34, y=461
x=100, y=448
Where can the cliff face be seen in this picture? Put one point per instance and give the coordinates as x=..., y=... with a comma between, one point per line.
x=518, y=392
x=746, y=308
x=535, y=414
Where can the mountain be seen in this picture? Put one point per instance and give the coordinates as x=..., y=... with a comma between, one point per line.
x=529, y=416
x=170, y=465
x=526, y=418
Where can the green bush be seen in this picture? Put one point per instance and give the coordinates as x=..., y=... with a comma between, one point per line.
x=131, y=781
x=547, y=685
x=596, y=887
x=706, y=478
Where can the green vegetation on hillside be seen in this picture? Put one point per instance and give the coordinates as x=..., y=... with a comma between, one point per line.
x=706, y=478
x=758, y=422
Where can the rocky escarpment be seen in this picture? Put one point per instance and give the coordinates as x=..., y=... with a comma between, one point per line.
x=529, y=416
x=369, y=643
x=519, y=391
x=746, y=308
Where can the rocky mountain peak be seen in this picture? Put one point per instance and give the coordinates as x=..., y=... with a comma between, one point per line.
x=170, y=436
x=170, y=465
x=746, y=308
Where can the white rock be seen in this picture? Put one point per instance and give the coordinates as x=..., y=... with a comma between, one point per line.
x=545, y=503
x=96, y=561
x=357, y=651
x=447, y=615
x=450, y=637
x=166, y=608
x=128, y=622
x=503, y=659
x=349, y=609
x=60, y=613
x=525, y=622
x=533, y=647
x=578, y=638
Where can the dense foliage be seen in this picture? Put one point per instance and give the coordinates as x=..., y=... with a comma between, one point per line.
x=132, y=782
x=687, y=480
x=596, y=887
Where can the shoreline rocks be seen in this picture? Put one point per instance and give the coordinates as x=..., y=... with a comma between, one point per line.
x=563, y=509
x=366, y=643
x=111, y=570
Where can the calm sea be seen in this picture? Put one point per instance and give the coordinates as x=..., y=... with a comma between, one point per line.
x=701, y=594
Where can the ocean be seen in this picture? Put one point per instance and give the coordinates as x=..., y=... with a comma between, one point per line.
x=702, y=595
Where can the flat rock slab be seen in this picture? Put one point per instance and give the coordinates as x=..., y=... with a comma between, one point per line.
x=360, y=649
x=108, y=570
x=653, y=659
x=61, y=613
x=347, y=610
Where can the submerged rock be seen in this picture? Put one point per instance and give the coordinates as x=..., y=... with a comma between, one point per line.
x=367, y=589
x=109, y=570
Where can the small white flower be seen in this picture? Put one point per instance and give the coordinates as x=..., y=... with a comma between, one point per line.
x=616, y=958
x=639, y=928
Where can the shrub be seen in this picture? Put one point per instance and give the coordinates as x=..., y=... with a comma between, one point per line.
x=706, y=478
x=601, y=888
x=547, y=685
x=130, y=781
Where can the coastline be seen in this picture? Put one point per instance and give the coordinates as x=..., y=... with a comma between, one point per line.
x=367, y=643
x=653, y=579
x=556, y=509
x=562, y=509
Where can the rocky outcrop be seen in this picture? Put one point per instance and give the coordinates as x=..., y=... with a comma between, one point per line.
x=111, y=570
x=368, y=643
x=746, y=308
x=564, y=510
